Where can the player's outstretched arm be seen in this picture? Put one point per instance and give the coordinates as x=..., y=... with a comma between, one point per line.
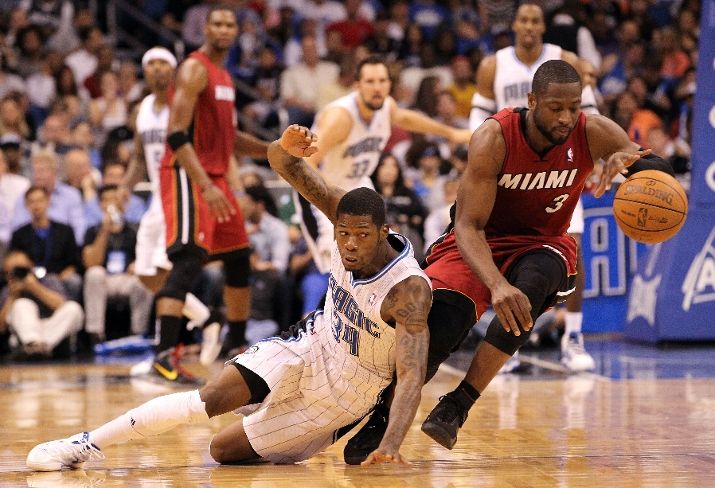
x=286, y=157
x=610, y=143
x=414, y=121
x=475, y=201
x=408, y=305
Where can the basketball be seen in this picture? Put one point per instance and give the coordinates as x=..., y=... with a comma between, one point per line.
x=650, y=206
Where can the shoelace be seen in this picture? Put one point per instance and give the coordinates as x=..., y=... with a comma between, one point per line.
x=176, y=362
x=576, y=346
x=81, y=451
x=452, y=409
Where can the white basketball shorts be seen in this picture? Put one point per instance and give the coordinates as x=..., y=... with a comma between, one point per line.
x=301, y=416
x=151, y=241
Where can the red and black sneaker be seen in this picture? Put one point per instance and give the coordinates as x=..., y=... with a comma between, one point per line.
x=167, y=367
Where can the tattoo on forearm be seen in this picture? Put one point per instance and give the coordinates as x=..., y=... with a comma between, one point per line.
x=299, y=173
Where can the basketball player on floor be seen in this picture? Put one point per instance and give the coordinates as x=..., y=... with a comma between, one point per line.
x=353, y=132
x=202, y=217
x=301, y=391
x=508, y=245
x=504, y=80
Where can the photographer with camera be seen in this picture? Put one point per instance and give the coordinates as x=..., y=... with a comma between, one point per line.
x=34, y=306
x=108, y=257
x=48, y=243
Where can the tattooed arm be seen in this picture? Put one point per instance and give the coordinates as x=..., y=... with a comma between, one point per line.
x=408, y=305
x=286, y=158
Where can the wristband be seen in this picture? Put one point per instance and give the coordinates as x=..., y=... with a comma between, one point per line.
x=177, y=139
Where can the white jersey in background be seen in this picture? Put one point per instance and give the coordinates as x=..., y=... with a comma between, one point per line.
x=512, y=78
x=348, y=165
x=151, y=236
x=332, y=370
x=151, y=126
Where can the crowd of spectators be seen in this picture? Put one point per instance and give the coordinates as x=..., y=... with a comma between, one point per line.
x=68, y=94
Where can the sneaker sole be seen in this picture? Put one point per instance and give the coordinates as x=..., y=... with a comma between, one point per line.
x=439, y=434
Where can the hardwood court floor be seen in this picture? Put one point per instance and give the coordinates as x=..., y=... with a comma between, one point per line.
x=580, y=431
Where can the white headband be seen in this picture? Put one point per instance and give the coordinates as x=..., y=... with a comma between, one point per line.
x=158, y=53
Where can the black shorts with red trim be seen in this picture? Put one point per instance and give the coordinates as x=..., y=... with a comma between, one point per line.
x=190, y=226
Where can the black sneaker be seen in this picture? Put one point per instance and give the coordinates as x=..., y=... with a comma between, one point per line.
x=369, y=437
x=443, y=423
x=167, y=368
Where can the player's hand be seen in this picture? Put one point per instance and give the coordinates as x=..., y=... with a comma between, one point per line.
x=383, y=455
x=218, y=203
x=512, y=308
x=298, y=141
x=617, y=164
x=460, y=136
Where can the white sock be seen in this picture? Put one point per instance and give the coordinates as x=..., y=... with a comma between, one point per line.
x=573, y=322
x=195, y=311
x=151, y=418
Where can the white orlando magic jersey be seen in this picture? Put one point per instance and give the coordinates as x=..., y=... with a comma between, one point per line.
x=358, y=346
x=151, y=126
x=512, y=80
x=351, y=164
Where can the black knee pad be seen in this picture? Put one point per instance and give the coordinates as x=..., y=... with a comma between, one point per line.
x=505, y=341
x=186, y=268
x=237, y=267
x=539, y=275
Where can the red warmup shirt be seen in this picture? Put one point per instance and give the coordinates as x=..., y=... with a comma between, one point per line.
x=213, y=128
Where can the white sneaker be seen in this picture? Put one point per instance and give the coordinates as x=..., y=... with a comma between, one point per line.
x=142, y=368
x=511, y=364
x=55, y=455
x=573, y=354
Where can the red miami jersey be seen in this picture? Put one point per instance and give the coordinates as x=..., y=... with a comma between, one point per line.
x=536, y=196
x=213, y=128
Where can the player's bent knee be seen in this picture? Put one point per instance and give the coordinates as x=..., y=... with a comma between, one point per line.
x=506, y=342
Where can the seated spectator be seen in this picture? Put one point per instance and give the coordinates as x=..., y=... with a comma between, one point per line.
x=105, y=60
x=109, y=110
x=83, y=61
x=49, y=244
x=463, y=86
x=269, y=258
x=300, y=84
x=80, y=174
x=134, y=206
x=405, y=211
x=54, y=135
x=355, y=29
x=83, y=138
x=12, y=116
x=12, y=187
x=424, y=175
x=30, y=43
x=35, y=307
x=11, y=145
x=108, y=257
x=65, y=202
